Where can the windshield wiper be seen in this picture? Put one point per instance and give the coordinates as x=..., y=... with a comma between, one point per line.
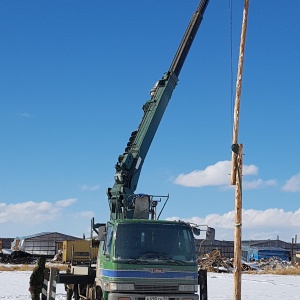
x=176, y=261
x=149, y=256
x=152, y=256
x=143, y=258
x=135, y=260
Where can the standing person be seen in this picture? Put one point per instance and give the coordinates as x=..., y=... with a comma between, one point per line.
x=36, y=279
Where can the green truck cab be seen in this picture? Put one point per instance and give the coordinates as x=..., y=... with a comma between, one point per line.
x=147, y=260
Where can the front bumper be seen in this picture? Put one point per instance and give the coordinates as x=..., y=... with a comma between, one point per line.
x=131, y=296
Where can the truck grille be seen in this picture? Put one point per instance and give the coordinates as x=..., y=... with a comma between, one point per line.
x=156, y=288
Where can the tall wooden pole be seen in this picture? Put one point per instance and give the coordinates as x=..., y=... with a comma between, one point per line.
x=237, y=163
x=237, y=263
x=239, y=88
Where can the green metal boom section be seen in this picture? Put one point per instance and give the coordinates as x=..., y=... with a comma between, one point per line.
x=129, y=165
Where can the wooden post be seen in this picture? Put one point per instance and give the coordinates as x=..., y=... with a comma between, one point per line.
x=236, y=166
x=45, y=284
x=239, y=89
x=237, y=263
x=51, y=293
x=292, y=249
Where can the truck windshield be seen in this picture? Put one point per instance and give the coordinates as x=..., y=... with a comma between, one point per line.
x=155, y=242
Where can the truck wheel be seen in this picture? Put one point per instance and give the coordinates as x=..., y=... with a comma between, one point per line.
x=98, y=293
x=75, y=294
x=69, y=294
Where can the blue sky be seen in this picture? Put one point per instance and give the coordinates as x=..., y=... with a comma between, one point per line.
x=74, y=76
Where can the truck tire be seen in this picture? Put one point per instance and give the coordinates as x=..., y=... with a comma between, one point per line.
x=75, y=290
x=69, y=294
x=98, y=293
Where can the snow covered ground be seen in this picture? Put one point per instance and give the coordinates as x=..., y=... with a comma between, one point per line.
x=14, y=286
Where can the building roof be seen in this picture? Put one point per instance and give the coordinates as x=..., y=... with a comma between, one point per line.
x=48, y=234
x=278, y=249
x=266, y=243
x=32, y=235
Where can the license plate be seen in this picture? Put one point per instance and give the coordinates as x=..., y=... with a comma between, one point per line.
x=156, y=298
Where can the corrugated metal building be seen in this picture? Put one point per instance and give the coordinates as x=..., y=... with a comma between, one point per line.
x=267, y=243
x=292, y=248
x=5, y=243
x=252, y=253
x=259, y=248
x=45, y=243
x=207, y=246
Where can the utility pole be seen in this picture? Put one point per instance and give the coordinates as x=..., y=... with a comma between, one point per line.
x=236, y=166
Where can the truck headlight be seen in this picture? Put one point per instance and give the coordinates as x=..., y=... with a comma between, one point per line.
x=187, y=288
x=114, y=286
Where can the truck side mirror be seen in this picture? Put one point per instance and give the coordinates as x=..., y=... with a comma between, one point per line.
x=196, y=231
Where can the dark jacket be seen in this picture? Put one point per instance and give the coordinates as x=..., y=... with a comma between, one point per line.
x=37, y=276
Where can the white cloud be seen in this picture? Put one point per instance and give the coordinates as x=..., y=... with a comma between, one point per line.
x=293, y=184
x=219, y=175
x=256, y=224
x=259, y=183
x=66, y=202
x=86, y=187
x=84, y=214
x=215, y=175
x=32, y=212
x=249, y=170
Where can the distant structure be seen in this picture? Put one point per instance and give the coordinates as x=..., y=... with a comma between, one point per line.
x=5, y=243
x=257, y=249
x=254, y=253
x=50, y=243
x=45, y=243
x=208, y=246
x=251, y=249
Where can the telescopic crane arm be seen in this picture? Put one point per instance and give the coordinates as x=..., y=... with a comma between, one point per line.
x=188, y=38
x=129, y=164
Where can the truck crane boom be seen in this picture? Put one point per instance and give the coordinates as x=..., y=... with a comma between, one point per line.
x=139, y=256
x=129, y=164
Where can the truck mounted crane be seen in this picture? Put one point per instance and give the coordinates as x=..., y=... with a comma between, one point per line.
x=129, y=164
x=141, y=257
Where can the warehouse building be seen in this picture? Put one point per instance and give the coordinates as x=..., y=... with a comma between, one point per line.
x=45, y=243
x=208, y=245
x=251, y=249
x=5, y=243
x=256, y=253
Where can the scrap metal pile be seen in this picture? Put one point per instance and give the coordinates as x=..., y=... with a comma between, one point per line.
x=214, y=262
x=273, y=263
x=17, y=257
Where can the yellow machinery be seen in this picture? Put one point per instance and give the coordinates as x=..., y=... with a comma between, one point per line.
x=78, y=251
